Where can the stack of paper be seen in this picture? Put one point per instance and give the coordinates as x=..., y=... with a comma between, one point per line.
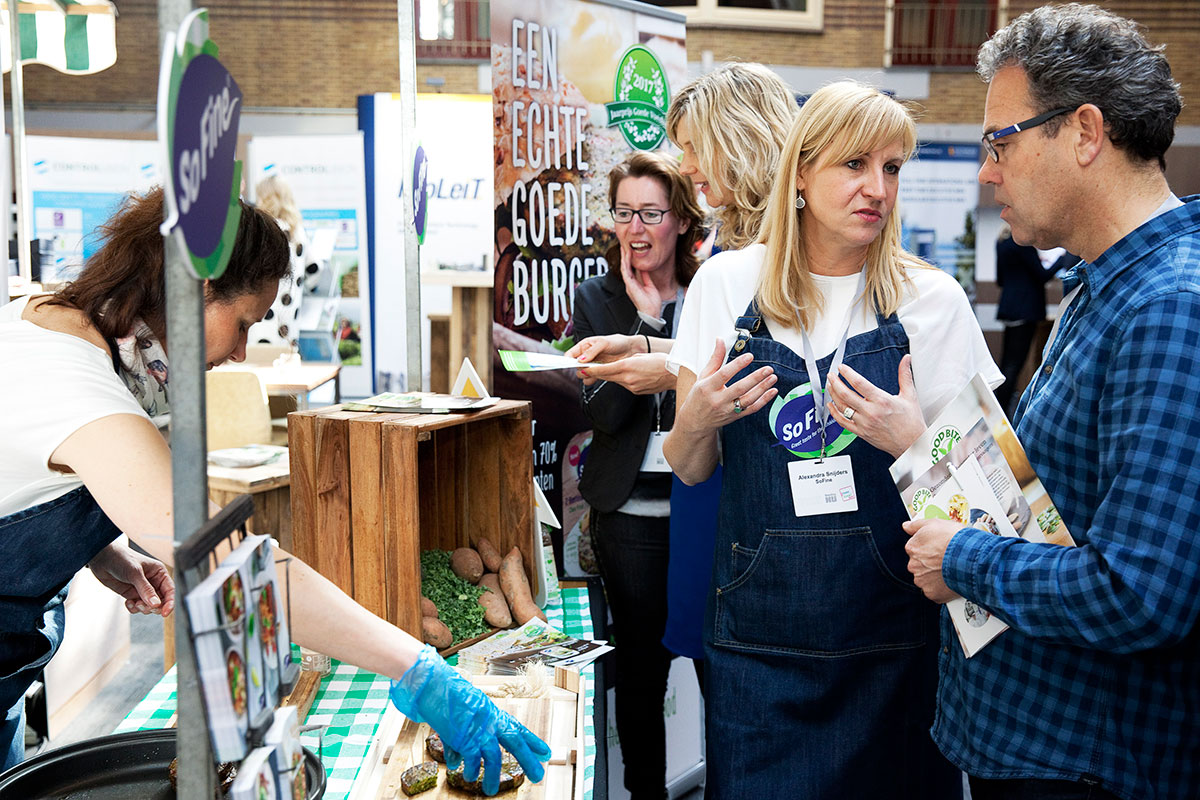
x=420, y=403
x=507, y=651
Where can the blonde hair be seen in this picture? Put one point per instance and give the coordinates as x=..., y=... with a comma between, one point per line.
x=738, y=116
x=274, y=196
x=839, y=122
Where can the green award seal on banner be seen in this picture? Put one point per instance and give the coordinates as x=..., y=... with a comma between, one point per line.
x=641, y=98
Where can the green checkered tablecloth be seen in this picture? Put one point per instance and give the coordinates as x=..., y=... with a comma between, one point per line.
x=351, y=703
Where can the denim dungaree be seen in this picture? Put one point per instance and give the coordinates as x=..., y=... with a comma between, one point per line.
x=822, y=654
x=41, y=549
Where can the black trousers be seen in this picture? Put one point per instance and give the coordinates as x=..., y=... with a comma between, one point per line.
x=1014, y=351
x=1036, y=789
x=632, y=552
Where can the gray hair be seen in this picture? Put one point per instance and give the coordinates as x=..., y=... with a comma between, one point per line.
x=1075, y=54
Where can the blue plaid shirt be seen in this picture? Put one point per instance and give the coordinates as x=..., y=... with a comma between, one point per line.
x=1099, y=677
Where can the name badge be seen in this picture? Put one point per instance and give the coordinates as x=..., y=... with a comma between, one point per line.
x=654, y=460
x=822, y=486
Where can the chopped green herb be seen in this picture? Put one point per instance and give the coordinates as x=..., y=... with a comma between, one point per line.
x=457, y=601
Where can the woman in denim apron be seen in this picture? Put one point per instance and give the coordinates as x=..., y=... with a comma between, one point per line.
x=81, y=462
x=821, y=654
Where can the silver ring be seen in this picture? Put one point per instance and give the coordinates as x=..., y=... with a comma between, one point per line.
x=848, y=413
x=737, y=406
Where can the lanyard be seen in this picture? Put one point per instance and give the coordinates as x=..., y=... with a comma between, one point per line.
x=658, y=396
x=810, y=360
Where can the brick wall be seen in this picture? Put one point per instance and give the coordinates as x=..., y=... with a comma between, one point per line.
x=316, y=54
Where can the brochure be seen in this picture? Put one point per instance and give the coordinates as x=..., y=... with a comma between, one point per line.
x=506, y=651
x=420, y=403
x=968, y=466
x=532, y=361
x=217, y=612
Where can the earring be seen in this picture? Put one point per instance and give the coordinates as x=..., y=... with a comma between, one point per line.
x=800, y=201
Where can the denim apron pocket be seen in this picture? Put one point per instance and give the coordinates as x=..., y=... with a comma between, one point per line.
x=860, y=608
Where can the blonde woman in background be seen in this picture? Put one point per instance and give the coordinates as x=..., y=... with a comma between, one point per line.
x=731, y=125
x=279, y=326
x=820, y=653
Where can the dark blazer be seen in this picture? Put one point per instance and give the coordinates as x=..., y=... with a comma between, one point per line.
x=621, y=420
x=1022, y=280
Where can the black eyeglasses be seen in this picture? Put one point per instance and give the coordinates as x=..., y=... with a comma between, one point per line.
x=648, y=216
x=1033, y=122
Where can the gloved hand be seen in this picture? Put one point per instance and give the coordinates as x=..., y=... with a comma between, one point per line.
x=471, y=727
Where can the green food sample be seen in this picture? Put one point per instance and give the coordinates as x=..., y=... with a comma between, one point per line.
x=420, y=778
x=457, y=601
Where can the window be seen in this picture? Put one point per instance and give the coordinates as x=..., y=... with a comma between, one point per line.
x=786, y=14
x=939, y=33
x=453, y=29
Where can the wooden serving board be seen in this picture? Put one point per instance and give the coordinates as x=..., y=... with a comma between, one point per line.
x=556, y=719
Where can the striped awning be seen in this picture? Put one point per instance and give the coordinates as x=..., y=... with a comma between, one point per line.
x=74, y=37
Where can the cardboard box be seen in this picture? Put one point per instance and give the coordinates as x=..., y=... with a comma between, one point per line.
x=371, y=491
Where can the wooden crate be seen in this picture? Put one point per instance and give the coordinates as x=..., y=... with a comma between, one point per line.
x=371, y=491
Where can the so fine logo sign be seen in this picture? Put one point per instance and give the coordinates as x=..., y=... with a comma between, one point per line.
x=943, y=442
x=199, y=105
x=641, y=98
x=793, y=420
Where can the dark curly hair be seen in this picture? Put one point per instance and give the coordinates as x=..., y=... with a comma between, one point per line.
x=1075, y=54
x=124, y=280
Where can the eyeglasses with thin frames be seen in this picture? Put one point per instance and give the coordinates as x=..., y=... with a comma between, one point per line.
x=1032, y=122
x=648, y=216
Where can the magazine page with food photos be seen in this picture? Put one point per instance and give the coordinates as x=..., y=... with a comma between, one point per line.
x=270, y=621
x=287, y=756
x=217, y=612
x=259, y=704
x=968, y=466
x=256, y=777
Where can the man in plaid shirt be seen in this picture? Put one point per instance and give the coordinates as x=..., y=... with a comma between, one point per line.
x=1094, y=692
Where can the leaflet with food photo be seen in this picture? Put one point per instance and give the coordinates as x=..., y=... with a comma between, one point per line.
x=217, y=613
x=969, y=467
x=507, y=651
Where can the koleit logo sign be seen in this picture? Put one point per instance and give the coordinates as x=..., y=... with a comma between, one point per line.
x=793, y=420
x=641, y=95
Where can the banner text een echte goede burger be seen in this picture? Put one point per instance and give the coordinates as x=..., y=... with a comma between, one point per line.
x=551, y=212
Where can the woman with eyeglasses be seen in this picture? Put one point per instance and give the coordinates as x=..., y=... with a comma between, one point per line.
x=626, y=481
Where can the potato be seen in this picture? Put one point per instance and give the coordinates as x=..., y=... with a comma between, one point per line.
x=428, y=609
x=495, y=609
x=467, y=564
x=516, y=588
x=489, y=554
x=435, y=632
x=490, y=580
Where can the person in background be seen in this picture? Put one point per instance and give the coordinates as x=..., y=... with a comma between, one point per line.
x=81, y=462
x=280, y=324
x=741, y=115
x=1093, y=691
x=821, y=655
x=626, y=481
x=1021, y=273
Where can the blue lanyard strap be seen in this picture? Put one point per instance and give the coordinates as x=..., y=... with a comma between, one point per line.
x=810, y=359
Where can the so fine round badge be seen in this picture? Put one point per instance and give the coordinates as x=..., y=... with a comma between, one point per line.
x=640, y=99
x=793, y=420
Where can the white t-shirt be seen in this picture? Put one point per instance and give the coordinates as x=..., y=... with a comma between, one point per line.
x=945, y=341
x=54, y=384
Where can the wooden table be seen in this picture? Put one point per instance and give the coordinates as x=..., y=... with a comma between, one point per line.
x=294, y=379
x=269, y=485
x=470, y=318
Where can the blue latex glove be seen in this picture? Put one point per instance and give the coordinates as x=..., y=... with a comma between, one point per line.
x=471, y=727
